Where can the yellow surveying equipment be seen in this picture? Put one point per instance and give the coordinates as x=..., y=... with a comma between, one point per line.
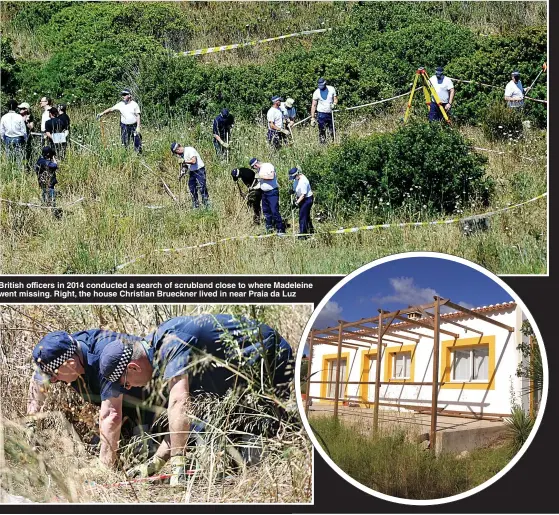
x=428, y=90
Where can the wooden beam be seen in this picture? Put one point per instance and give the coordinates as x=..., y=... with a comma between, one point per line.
x=348, y=345
x=411, y=332
x=309, y=372
x=435, y=389
x=377, y=376
x=416, y=340
x=462, y=326
x=427, y=326
x=337, y=392
x=480, y=316
x=392, y=383
x=411, y=309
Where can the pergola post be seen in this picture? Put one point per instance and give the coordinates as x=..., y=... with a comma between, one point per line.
x=377, y=376
x=309, y=370
x=337, y=392
x=435, y=395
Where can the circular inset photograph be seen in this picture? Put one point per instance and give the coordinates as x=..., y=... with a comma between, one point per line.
x=422, y=378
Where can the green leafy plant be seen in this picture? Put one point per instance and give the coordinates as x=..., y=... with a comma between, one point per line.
x=519, y=426
x=421, y=168
x=502, y=123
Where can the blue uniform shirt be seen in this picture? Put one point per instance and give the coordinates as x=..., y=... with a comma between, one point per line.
x=209, y=348
x=92, y=386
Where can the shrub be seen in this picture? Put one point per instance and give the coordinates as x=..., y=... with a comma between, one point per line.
x=9, y=69
x=420, y=167
x=492, y=63
x=501, y=122
x=519, y=427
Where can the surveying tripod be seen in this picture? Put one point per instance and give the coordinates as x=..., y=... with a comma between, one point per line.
x=429, y=92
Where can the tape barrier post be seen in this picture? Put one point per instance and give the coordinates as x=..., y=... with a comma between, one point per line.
x=337, y=231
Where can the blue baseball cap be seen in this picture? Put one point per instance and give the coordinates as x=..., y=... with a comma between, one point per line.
x=225, y=112
x=235, y=174
x=252, y=162
x=54, y=350
x=275, y=98
x=114, y=360
x=321, y=82
x=439, y=69
x=174, y=146
x=293, y=172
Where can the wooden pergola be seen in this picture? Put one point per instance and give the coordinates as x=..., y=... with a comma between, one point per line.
x=368, y=332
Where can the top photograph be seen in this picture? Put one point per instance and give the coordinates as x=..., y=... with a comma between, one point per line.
x=271, y=137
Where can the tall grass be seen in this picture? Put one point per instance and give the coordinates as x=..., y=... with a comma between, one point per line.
x=127, y=212
x=61, y=467
x=392, y=464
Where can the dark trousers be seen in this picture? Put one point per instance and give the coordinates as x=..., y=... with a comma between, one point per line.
x=325, y=122
x=276, y=139
x=435, y=114
x=197, y=180
x=15, y=149
x=129, y=131
x=49, y=196
x=254, y=202
x=270, y=207
x=305, y=222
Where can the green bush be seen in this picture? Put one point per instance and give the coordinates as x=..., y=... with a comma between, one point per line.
x=502, y=123
x=492, y=63
x=9, y=69
x=422, y=167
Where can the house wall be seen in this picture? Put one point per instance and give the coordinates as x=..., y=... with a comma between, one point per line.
x=494, y=396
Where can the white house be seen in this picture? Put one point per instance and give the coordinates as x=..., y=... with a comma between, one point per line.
x=477, y=364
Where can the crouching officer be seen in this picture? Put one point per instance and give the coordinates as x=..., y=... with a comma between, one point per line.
x=254, y=195
x=74, y=359
x=193, y=164
x=194, y=355
x=303, y=199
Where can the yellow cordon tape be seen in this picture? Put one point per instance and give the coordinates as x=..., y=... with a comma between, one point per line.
x=211, y=50
x=28, y=204
x=338, y=231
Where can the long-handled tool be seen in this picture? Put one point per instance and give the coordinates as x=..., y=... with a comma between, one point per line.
x=103, y=139
x=227, y=147
x=544, y=69
x=333, y=127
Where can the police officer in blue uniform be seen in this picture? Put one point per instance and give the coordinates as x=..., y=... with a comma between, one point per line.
x=74, y=359
x=195, y=355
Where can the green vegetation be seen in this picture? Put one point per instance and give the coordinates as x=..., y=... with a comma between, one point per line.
x=420, y=168
x=393, y=465
x=380, y=172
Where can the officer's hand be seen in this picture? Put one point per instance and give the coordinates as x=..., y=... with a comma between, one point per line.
x=291, y=123
x=148, y=468
x=313, y=122
x=295, y=203
x=138, y=131
x=527, y=89
x=224, y=144
x=285, y=131
x=98, y=117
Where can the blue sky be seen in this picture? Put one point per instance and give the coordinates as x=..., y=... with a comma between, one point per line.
x=409, y=281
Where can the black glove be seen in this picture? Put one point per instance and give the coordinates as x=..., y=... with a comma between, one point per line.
x=295, y=204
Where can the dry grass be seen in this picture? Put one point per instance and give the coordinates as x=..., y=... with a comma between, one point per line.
x=65, y=469
x=116, y=223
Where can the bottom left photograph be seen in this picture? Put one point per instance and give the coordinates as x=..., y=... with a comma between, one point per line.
x=152, y=404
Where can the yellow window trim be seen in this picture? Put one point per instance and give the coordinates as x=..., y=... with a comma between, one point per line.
x=446, y=363
x=365, y=373
x=324, y=374
x=390, y=352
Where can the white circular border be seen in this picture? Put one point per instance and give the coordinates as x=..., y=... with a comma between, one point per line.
x=325, y=457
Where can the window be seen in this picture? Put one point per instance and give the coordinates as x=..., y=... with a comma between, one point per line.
x=401, y=365
x=471, y=364
x=331, y=386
